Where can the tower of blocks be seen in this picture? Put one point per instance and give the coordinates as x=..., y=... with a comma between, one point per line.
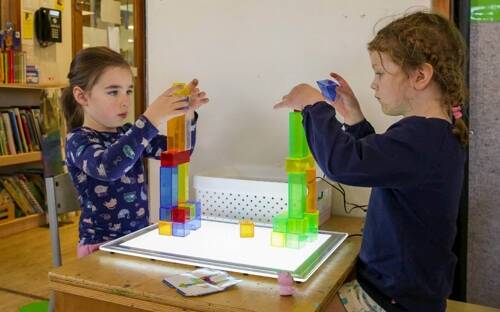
x=292, y=229
x=178, y=214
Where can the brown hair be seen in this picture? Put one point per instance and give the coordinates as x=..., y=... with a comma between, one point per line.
x=85, y=70
x=420, y=38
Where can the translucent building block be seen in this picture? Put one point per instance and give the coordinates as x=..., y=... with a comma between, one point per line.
x=174, y=158
x=190, y=207
x=169, y=186
x=328, y=88
x=166, y=213
x=280, y=222
x=246, y=228
x=195, y=223
x=176, y=133
x=297, y=143
x=312, y=191
x=165, y=227
x=188, y=139
x=180, y=214
x=297, y=226
x=295, y=240
x=180, y=229
x=184, y=91
x=312, y=221
x=299, y=164
x=278, y=239
x=297, y=188
x=183, y=182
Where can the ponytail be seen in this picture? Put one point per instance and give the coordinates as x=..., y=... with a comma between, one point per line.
x=73, y=112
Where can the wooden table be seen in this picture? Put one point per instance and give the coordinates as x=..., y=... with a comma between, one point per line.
x=111, y=282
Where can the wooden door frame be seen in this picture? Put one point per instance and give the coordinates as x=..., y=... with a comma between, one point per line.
x=442, y=6
x=139, y=47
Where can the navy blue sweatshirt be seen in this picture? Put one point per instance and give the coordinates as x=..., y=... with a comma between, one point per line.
x=108, y=173
x=415, y=170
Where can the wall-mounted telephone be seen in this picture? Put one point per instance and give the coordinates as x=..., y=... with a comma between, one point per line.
x=48, y=26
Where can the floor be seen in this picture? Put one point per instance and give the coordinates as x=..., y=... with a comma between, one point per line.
x=25, y=260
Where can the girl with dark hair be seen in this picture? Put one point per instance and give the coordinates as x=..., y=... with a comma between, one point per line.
x=103, y=153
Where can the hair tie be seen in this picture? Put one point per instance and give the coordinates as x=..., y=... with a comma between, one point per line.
x=456, y=111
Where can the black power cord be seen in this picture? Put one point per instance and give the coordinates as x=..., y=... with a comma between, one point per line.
x=341, y=190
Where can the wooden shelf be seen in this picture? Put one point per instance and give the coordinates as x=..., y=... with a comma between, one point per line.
x=22, y=224
x=8, y=160
x=32, y=86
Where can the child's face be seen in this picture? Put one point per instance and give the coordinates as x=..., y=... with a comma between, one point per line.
x=108, y=102
x=391, y=85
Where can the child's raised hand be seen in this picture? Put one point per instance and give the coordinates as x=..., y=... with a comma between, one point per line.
x=165, y=106
x=197, y=98
x=346, y=103
x=299, y=97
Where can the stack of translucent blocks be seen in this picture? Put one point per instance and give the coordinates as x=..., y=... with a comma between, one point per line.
x=178, y=214
x=292, y=229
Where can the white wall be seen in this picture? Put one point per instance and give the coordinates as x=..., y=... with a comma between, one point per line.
x=247, y=54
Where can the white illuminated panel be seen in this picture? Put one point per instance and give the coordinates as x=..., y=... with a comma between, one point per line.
x=218, y=245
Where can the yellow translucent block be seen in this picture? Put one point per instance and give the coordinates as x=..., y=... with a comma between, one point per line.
x=246, y=228
x=183, y=185
x=184, y=91
x=299, y=164
x=176, y=134
x=278, y=239
x=312, y=191
x=165, y=228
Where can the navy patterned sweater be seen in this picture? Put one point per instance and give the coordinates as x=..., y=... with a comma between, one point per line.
x=107, y=171
x=416, y=170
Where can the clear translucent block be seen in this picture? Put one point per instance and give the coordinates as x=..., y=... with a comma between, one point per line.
x=183, y=182
x=168, y=186
x=176, y=133
x=297, y=143
x=297, y=189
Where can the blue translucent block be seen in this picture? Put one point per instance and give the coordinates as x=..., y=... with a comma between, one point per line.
x=328, y=89
x=166, y=213
x=168, y=186
x=195, y=224
x=180, y=229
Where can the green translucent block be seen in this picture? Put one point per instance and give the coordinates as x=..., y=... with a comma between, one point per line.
x=278, y=239
x=297, y=192
x=280, y=222
x=295, y=240
x=311, y=237
x=192, y=209
x=297, y=226
x=297, y=143
x=312, y=221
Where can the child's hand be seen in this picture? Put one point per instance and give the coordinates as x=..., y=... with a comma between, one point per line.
x=167, y=105
x=299, y=97
x=346, y=103
x=197, y=98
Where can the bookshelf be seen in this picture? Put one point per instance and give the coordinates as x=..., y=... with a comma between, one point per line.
x=18, y=159
x=25, y=97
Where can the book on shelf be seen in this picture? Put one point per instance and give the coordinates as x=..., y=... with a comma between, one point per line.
x=13, y=66
x=20, y=130
x=27, y=195
x=9, y=134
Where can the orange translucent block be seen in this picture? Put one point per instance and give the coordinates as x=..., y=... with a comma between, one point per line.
x=165, y=228
x=278, y=239
x=312, y=191
x=176, y=134
x=247, y=228
x=183, y=185
x=299, y=164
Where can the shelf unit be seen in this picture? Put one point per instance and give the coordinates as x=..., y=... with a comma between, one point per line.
x=22, y=95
